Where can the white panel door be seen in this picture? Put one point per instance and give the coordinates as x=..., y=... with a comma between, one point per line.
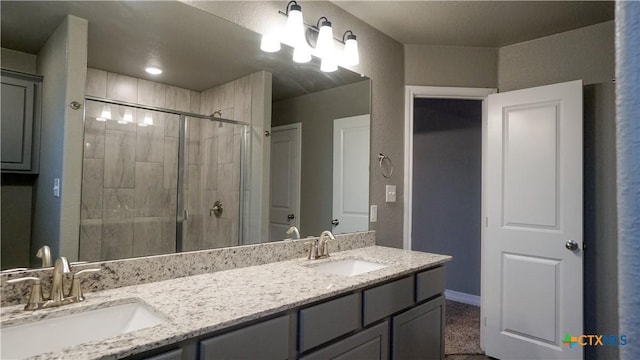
x=532, y=286
x=284, y=210
x=351, y=174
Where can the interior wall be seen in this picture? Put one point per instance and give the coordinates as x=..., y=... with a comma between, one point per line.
x=18, y=61
x=462, y=66
x=63, y=63
x=588, y=54
x=447, y=171
x=381, y=59
x=316, y=112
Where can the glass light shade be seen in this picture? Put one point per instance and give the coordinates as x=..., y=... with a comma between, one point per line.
x=106, y=114
x=351, y=56
x=302, y=54
x=294, y=30
x=328, y=64
x=127, y=118
x=270, y=43
x=148, y=120
x=325, y=40
x=153, y=70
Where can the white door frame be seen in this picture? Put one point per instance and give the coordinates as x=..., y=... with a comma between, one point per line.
x=297, y=127
x=434, y=92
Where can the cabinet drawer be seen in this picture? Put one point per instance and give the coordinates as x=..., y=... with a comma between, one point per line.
x=418, y=333
x=329, y=320
x=370, y=344
x=170, y=355
x=430, y=283
x=387, y=299
x=265, y=340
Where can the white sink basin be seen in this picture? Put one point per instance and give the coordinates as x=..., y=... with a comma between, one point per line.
x=348, y=267
x=57, y=333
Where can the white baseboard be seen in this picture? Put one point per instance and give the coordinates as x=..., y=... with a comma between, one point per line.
x=462, y=297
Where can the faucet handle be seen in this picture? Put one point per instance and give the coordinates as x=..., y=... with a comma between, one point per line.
x=35, y=297
x=76, y=289
x=313, y=249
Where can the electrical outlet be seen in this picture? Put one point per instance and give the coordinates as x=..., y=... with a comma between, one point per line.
x=390, y=193
x=373, y=213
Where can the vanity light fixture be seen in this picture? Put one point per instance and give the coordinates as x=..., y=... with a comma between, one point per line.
x=270, y=43
x=350, y=56
x=153, y=70
x=106, y=114
x=324, y=46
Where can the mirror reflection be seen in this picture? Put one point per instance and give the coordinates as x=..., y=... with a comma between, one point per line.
x=228, y=146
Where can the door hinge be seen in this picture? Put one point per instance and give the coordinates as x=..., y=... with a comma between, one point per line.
x=485, y=321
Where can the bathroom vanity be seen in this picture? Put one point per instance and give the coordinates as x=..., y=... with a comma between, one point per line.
x=281, y=310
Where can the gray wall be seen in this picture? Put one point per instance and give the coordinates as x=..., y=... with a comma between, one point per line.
x=589, y=54
x=381, y=59
x=447, y=169
x=316, y=112
x=63, y=63
x=18, y=61
x=586, y=53
x=450, y=66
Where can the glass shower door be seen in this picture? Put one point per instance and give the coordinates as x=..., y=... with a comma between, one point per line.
x=129, y=182
x=213, y=153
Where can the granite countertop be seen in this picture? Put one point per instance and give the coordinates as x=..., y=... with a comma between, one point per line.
x=201, y=304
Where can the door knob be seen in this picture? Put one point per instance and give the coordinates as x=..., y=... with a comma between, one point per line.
x=571, y=245
x=291, y=217
x=335, y=222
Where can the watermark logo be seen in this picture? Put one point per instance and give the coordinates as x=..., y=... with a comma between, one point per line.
x=594, y=340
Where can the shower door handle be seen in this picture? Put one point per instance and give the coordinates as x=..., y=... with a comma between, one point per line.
x=185, y=216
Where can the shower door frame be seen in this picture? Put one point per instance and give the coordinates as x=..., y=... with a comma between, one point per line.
x=181, y=212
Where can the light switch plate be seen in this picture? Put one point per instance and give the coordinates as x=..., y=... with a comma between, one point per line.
x=56, y=187
x=373, y=213
x=390, y=193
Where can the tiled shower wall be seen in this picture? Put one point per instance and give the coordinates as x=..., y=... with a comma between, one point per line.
x=214, y=166
x=129, y=188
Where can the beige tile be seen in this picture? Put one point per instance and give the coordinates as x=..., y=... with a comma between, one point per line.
x=171, y=97
x=151, y=93
x=242, y=97
x=193, y=142
x=90, y=240
x=228, y=114
x=227, y=94
x=194, y=233
x=235, y=179
x=194, y=102
x=117, y=114
x=151, y=199
x=231, y=202
x=183, y=101
x=168, y=244
x=122, y=87
x=92, y=184
x=225, y=178
x=194, y=196
x=171, y=125
x=224, y=129
x=225, y=148
x=119, y=159
x=96, y=83
x=219, y=233
x=147, y=236
x=170, y=169
x=117, y=239
x=150, y=140
x=211, y=163
x=94, y=133
x=119, y=204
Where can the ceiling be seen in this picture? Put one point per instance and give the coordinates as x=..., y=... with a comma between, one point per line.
x=197, y=54
x=477, y=23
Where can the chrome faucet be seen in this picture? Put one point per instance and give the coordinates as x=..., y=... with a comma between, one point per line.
x=319, y=248
x=57, y=285
x=44, y=253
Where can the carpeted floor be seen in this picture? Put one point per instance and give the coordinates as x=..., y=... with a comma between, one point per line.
x=462, y=329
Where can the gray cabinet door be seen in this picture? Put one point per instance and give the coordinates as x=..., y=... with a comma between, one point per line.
x=19, y=122
x=327, y=321
x=370, y=344
x=170, y=355
x=268, y=340
x=419, y=332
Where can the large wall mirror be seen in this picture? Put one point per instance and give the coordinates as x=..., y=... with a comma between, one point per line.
x=228, y=146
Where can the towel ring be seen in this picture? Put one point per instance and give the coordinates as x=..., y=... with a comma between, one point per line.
x=387, y=174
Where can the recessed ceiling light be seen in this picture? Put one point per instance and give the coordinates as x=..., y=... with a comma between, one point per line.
x=153, y=70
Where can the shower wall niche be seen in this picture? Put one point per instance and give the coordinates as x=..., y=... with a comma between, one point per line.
x=148, y=186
